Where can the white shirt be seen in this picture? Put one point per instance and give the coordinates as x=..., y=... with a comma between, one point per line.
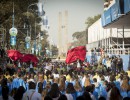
x=19, y=65
x=35, y=96
x=9, y=98
x=48, y=68
x=69, y=97
x=83, y=80
x=31, y=66
x=78, y=65
x=92, y=96
x=107, y=78
x=108, y=63
x=56, y=75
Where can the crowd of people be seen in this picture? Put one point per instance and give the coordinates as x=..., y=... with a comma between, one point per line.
x=49, y=80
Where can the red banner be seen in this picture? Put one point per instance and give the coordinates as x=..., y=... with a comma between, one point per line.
x=14, y=54
x=75, y=54
x=29, y=57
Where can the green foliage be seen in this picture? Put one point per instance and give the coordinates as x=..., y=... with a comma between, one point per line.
x=54, y=50
x=91, y=20
x=21, y=17
x=106, y=0
x=80, y=39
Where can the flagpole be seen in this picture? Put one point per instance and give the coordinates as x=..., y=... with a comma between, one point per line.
x=13, y=15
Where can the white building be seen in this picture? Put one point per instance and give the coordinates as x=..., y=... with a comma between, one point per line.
x=107, y=38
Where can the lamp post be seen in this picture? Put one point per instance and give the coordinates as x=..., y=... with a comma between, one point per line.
x=36, y=46
x=28, y=38
x=35, y=42
x=39, y=44
x=13, y=31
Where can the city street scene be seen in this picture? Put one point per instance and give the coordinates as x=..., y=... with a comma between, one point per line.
x=64, y=49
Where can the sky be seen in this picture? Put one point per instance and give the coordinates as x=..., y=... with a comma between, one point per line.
x=78, y=12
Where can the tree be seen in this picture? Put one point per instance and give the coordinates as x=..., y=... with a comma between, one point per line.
x=45, y=42
x=106, y=0
x=91, y=20
x=54, y=50
x=21, y=18
x=19, y=13
x=81, y=38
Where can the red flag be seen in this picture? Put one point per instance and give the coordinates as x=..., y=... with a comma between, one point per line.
x=75, y=54
x=14, y=54
x=29, y=57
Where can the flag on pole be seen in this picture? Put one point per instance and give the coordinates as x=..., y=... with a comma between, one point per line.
x=77, y=53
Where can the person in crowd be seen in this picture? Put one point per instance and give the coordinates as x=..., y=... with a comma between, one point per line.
x=86, y=96
x=48, y=98
x=70, y=92
x=40, y=87
x=114, y=64
x=119, y=64
x=54, y=92
x=83, y=79
x=21, y=81
x=13, y=92
x=19, y=94
x=78, y=86
x=5, y=94
x=56, y=80
x=62, y=86
x=125, y=87
x=87, y=82
x=62, y=97
x=44, y=93
x=104, y=61
x=108, y=63
x=80, y=98
x=15, y=83
x=126, y=98
x=102, y=98
x=31, y=94
x=115, y=94
x=31, y=78
x=89, y=89
x=128, y=71
x=56, y=74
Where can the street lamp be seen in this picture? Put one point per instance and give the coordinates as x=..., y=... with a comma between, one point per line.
x=41, y=12
x=13, y=31
x=28, y=38
x=39, y=45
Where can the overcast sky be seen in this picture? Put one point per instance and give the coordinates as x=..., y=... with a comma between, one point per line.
x=78, y=12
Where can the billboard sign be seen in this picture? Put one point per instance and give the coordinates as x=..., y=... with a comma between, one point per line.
x=126, y=6
x=115, y=11
x=107, y=16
